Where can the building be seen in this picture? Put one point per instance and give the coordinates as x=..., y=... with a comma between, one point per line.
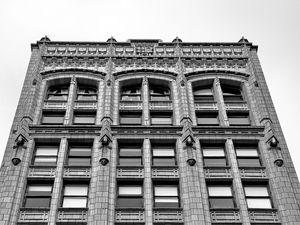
x=146, y=132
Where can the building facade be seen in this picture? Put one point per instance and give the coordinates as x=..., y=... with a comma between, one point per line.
x=146, y=132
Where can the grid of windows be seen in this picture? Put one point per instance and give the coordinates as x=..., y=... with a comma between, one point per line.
x=220, y=197
x=258, y=197
x=45, y=156
x=38, y=196
x=75, y=196
x=166, y=196
x=130, y=196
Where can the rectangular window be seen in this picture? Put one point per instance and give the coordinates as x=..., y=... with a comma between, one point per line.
x=159, y=94
x=58, y=94
x=84, y=118
x=131, y=93
x=207, y=119
x=130, y=156
x=163, y=156
x=220, y=197
x=247, y=157
x=130, y=196
x=258, y=197
x=38, y=196
x=86, y=93
x=130, y=118
x=53, y=118
x=166, y=196
x=75, y=196
x=204, y=94
x=161, y=119
x=45, y=156
x=238, y=119
x=79, y=156
x=214, y=156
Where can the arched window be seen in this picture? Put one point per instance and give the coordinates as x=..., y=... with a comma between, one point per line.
x=159, y=93
x=86, y=93
x=131, y=93
x=203, y=94
x=231, y=93
x=58, y=93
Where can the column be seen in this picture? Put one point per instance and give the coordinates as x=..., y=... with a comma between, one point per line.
x=147, y=182
x=70, y=102
x=145, y=94
x=38, y=110
x=100, y=101
x=237, y=184
x=221, y=105
x=58, y=182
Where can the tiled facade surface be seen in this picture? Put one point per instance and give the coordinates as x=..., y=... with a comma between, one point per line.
x=181, y=66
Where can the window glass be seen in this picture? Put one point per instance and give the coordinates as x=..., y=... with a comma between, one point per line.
x=224, y=203
x=80, y=151
x=248, y=162
x=38, y=196
x=86, y=94
x=74, y=202
x=207, y=119
x=166, y=191
x=79, y=156
x=130, y=119
x=163, y=152
x=53, y=119
x=58, y=94
x=156, y=120
x=238, y=120
x=219, y=191
x=46, y=151
x=84, y=119
x=205, y=91
x=159, y=94
x=130, y=152
x=130, y=190
x=259, y=203
x=213, y=152
x=256, y=191
x=37, y=202
x=45, y=156
x=76, y=190
x=132, y=202
x=246, y=152
x=215, y=162
x=130, y=161
x=39, y=189
x=79, y=161
x=38, y=161
x=131, y=94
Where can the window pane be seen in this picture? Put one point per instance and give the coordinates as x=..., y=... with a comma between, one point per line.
x=130, y=203
x=161, y=120
x=166, y=202
x=213, y=152
x=159, y=97
x=130, y=190
x=219, y=191
x=131, y=120
x=79, y=161
x=249, y=162
x=206, y=91
x=166, y=191
x=239, y=120
x=87, y=97
x=163, y=152
x=259, y=203
x=246, y=152
x=74, y=202
x=164, y=162
x=76, y=190
x=130, y=152
x=130, y=97
x=215, y=162
x=52, y=119
x=45, y=161
x=130, y=161
x=207, y=121
x=84, y=119
x=40, y=189
x=45, y=151
x=80, y=152
x=221, y=203
x=37, y=202
x=256, y=191
x=57, y=97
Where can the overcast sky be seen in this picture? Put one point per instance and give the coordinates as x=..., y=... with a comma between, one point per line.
x=273, y=25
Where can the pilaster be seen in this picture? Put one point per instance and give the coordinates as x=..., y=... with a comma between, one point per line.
x=221, y=105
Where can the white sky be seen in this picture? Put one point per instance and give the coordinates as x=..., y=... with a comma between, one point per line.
x=273, y=25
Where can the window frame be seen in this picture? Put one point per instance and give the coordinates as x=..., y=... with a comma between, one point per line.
x=38, y=195
x=35, y=156
x=215, y=197
x=163, y=157
x=69, y=156
x=128, y=197
x=258, y=196
x=64, y=196
x=80, y=93
x=214, y=157
x=129, y=146
x=155, y=196
x=257, y=157
x=57, y=115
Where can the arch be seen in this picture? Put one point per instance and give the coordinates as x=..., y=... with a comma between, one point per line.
x=229, y=74
x=66, y=70
x=139, y=70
